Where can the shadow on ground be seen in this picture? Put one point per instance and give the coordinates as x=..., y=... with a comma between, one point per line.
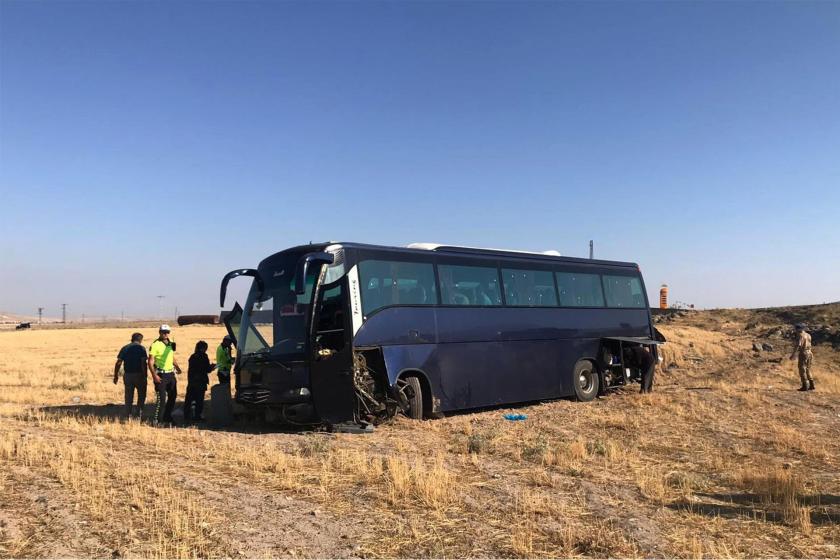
x=752, y=506
x=116, y=413
x=253, y=422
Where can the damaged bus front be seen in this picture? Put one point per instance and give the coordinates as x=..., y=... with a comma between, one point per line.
x=293, y=334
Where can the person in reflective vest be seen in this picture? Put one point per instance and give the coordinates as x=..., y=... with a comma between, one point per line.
x=163, y=367
x=224, y=361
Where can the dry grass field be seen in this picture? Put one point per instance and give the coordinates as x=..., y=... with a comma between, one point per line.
x=725, y=459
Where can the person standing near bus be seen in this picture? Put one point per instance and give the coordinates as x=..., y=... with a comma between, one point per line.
x=198, y=378
x=133, y=358
x=641, y=358
x=163, y=366
x=224, y=360
x=802, y=348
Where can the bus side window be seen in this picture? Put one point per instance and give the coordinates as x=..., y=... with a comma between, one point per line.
x=371, y=295
x=580, y=289
x=469, y=285
x=624, y=291
x=531, y=288
x=396, y=283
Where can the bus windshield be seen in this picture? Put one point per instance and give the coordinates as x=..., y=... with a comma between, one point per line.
x=274, y=320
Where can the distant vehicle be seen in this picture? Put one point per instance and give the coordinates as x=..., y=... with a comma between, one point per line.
x=342, y=333
x=184, y=320
x=22, y=326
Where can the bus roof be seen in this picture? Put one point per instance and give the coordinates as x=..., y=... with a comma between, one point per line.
x=457, y=250
x=460, y=248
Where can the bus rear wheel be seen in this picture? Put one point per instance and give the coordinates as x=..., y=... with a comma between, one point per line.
x=586, y=380
x=413, y=392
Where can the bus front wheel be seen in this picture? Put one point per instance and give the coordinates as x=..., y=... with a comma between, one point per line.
x=586, y=380
x=413, y=392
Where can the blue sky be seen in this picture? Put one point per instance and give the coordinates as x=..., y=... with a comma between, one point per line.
x=148, y=147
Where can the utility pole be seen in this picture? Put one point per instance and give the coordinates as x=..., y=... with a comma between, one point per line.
x=63, y=312
x=122, y=316
x=591, y=249
x=160, y=307
x=176, y=312
x=40, y=314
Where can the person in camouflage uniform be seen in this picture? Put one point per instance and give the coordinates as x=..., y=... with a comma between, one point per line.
x=802, y=348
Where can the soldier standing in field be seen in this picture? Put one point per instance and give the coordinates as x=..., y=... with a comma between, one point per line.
x=802, y=348
x=133, y=357
x=163, y=366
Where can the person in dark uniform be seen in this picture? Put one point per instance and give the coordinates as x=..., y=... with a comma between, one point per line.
x=198, y=377
x=133, y=358
x=641, y=358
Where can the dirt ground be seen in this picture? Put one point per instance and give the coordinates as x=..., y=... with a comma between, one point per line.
x=725, y=459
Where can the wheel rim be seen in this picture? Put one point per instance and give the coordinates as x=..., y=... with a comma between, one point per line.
x=402, y=385
x=585, y=380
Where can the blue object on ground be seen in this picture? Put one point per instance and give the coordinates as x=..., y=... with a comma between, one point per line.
x=515, y=417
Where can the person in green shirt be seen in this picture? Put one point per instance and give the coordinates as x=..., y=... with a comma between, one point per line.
x=224, y=360
x=163, y=367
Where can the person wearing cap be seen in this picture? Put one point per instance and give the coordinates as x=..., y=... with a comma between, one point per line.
x=802, y=348
x=133, y=358
x=163, y=367
x=224, y=361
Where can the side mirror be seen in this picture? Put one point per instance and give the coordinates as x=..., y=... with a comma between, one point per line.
x=233, y=274
x=303, y=267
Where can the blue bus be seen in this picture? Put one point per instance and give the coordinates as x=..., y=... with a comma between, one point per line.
x=350, y=333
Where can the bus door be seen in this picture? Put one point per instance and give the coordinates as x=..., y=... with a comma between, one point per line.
x=331, y=373
x=232, y=322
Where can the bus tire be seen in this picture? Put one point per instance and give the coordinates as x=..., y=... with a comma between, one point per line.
x=586, y=380
x=415, y=400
